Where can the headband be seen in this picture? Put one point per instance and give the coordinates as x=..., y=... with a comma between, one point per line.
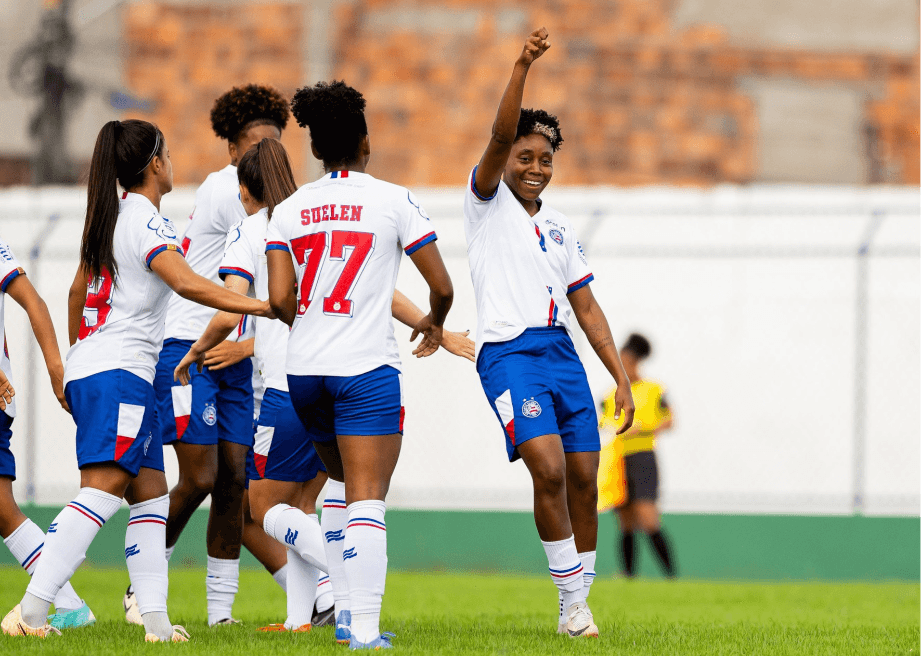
x=150, y=159
x=545, y=130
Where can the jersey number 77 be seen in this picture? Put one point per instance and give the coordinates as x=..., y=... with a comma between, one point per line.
x=313, y=250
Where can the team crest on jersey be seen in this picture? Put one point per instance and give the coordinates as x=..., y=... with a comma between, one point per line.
x=557, y=236
x=209, y=414
x=531, y=408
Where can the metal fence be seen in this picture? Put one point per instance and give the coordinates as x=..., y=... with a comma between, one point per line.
x=785, y=322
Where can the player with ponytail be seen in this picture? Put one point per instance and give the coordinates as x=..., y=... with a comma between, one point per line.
x=130, y=260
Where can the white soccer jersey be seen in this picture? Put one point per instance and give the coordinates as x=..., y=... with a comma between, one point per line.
x=122, y=325
x=245, y=257
x=523, y=267
x=217, y=210
x=9, y=270
x=345, y=232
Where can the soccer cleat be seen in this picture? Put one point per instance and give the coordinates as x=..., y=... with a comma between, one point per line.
x=344, y=627
x=13, y=625
x=227, y=621
x=581, y=624
x=381, y=642
x=285, y=628
x=132, y=611
x=73, y=619
x=324, y=617
x=179, y=635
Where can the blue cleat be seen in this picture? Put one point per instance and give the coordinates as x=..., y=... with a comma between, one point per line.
x=381, y=642
x=74, y=619
x=344, y=627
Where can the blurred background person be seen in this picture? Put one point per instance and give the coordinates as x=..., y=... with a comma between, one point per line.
x=628, y=476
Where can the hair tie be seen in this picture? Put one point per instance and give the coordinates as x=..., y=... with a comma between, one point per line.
x=150, y=159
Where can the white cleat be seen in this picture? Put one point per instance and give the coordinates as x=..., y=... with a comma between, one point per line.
x=13, y=625
x=581, y=624
x=132, y=611
x=179, y=635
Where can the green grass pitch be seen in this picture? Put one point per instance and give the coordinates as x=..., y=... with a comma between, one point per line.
x=495, y=614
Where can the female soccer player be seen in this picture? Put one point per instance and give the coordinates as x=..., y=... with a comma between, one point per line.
x=333, y=253
x=529, y=276
x=636, y=447
x=210, y=422
x=286, y=463
x=129, y=261
x=20, y=534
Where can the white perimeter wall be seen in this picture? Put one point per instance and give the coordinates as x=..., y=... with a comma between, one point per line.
x=749, y=296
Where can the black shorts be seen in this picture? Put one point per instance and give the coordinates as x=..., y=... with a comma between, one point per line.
x=642, y=476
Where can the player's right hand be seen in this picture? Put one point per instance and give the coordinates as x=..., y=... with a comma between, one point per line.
x=266, y=311
x=432, y=336
x=536, y=45
x=6, y=391
x=181, y=372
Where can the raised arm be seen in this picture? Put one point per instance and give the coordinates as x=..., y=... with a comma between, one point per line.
x=489, y=170
x=174, y=271
x=406, y=312
x=441, y=295
x=217, y=330
x=595, y=326
x=22, y=291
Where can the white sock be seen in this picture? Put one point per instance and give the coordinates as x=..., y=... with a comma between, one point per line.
x=565, y=569
x=222, y=584
x=302, y=591
x=588, y=571
x=281, y=577
x=365, y=556
x=325, y=597
x=295, y=529
x=588, y=577
x=169, y=552
x=25, y=543
x=69, y=536
x=145, y=546
x=335, y=517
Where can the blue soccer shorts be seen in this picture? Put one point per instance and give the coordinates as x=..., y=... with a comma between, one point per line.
x=115, y=415
x=537, y=386
x=215, y=405
x=7, y=461
x=284, y=449
x=367, y=404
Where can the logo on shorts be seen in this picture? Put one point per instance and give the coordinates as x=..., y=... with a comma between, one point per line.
x=209, y=414
x=557, y=236
x=531, y=408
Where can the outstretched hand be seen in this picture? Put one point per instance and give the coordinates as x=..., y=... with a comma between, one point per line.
x=536, y=45
x=432, y=336
x=459, y=344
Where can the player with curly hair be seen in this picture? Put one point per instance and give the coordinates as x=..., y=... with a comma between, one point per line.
x=333, y=251
x=210, y=422
x=529, y=277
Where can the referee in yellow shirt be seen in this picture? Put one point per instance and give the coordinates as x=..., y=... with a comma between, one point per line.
x=628, y=474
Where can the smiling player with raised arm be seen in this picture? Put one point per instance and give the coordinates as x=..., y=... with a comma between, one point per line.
x=529, y=276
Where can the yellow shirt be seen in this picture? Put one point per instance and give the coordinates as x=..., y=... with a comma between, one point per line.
x=651, y=412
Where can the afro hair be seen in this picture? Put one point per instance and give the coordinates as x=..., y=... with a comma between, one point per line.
x=638, y=345
x=335, y=114
x=537, y=121
x=244, y=107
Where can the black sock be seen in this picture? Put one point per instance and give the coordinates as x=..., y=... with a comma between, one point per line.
x=661, y=546
x=627, y=552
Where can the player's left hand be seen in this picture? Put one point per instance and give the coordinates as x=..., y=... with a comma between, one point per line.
x=225, y=354
x=432, y=337
x=6, y=391
x=181, y=372
x=623, y=402
x=459, y=344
